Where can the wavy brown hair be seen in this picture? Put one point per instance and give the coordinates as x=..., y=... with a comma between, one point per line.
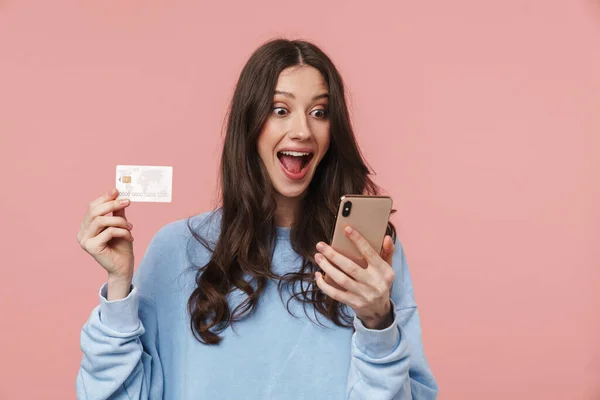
x=247, y=225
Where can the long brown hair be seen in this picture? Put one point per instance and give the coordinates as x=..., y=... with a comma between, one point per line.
x=247, y=226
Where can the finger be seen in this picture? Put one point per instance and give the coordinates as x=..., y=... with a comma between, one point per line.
x=388, y=274
x=112, y=232
x=110, y=195
x=92, y=245
x=388, y=249
x=338, y=276
x=363, y=246
x=347, y=298
x=120, y=212
x=349, y=267
x=111, y=206
x=102, y=222
x=106, y=197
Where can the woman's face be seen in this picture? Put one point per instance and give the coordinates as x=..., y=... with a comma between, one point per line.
x=296, y=135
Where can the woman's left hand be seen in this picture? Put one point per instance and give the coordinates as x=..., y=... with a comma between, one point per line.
x=367, y=289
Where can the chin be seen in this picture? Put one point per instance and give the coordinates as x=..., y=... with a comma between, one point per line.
x=290, y=192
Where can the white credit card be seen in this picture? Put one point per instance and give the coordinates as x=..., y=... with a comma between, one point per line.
x=145, y=183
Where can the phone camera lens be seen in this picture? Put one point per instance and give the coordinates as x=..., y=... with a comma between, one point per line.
x=347, y=208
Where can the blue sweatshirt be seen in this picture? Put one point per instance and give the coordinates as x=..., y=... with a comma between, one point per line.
x=142, y=347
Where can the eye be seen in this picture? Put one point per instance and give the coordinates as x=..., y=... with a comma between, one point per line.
x=280, y=111
x=319, y=113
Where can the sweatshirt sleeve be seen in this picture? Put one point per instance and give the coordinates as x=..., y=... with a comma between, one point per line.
x=119, y=341
x=120, y=358
x=390, y=363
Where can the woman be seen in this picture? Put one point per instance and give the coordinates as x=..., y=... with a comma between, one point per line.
x=231, y=304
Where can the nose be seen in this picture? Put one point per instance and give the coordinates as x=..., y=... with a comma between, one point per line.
x=299, y=129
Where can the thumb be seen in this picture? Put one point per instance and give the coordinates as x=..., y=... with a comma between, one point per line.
x=388, y=249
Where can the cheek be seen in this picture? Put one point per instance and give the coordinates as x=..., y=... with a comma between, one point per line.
x=323, y=139
x=265, y=143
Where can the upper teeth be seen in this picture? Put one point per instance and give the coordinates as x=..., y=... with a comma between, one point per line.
x=294, y=153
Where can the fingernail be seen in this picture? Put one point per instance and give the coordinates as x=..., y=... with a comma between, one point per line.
x=318, y=257
x=349, y=230
x=113, y=191
x=125, y=201
x=129, y=225
x=320, y=246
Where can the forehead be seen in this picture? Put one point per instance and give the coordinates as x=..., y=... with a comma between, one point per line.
x=301, y=80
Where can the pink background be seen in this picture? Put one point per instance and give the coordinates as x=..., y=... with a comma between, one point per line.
x=482, y=120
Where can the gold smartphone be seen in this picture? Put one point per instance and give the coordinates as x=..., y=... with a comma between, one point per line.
x=369, y=215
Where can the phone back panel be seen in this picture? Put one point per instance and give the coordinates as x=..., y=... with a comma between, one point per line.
x=369, y=215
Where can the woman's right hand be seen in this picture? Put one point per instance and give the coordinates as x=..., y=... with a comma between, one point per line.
x=109, y=241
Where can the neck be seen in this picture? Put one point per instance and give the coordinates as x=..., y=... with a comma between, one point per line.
x=287, y=209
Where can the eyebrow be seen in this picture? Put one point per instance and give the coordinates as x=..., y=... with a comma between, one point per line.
x=291, y=95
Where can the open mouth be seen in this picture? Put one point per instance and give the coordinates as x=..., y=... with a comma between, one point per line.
x=294, y=162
